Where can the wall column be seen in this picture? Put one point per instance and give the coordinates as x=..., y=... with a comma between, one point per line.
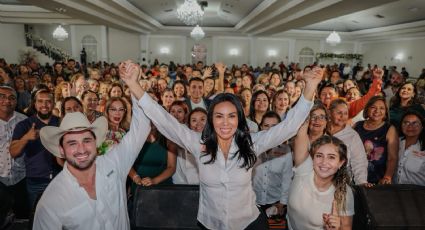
x=104, y=43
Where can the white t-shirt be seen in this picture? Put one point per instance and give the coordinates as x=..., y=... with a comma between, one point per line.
x=307, y=204
x=201, y=104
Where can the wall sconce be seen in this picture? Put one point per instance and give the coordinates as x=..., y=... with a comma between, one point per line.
x=399, y=57
x=272, y=53
x=234, y=52
x=164, y=50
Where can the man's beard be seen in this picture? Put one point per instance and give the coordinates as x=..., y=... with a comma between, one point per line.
x=44, y=116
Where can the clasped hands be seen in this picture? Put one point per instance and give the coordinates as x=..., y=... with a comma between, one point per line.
x=129, y=72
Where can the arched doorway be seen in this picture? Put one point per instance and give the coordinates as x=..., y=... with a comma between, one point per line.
x=90, y=44
x=306, y=57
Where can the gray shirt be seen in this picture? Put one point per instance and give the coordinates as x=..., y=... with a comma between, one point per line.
x=11, y=170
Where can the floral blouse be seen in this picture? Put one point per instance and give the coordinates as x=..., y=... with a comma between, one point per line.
x=112, y=138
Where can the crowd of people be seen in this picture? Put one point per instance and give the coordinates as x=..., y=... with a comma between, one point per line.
x=271, y=142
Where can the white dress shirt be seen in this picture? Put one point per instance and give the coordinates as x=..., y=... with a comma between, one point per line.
x=356, y=154
x=227, y=199
x=411, y=166
x=66, y=205
x=11, y=170
x=186, y=168
x=272, y=176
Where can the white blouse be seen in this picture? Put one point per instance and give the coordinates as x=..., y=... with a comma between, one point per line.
x=411, y=166
x=227, y=199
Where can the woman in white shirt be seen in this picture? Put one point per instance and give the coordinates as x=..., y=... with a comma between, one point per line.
x=226, y=153
x=411, y=164
x=319, y=196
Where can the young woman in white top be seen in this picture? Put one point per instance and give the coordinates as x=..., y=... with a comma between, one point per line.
x=319, y=196
x=411, y=163
x=226, y=152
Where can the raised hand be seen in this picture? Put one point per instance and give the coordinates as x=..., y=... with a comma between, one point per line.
x=314, y=76
x=129, y=72
x=221, y=67
x=378, y=73
x=32, y=134
x=207, y=72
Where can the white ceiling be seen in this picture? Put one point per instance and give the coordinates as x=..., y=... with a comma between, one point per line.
x=229, y=17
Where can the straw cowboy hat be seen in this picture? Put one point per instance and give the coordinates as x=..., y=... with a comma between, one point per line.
x=72, y=122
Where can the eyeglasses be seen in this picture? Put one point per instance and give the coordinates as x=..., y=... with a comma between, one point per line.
x=93, y=100
x=318, y=117
x=415, y=124
x=3, y=97
x=113, y=110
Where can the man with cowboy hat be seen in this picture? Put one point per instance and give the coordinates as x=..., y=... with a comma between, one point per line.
x=90, y=191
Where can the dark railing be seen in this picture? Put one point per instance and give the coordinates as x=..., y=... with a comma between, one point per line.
x=46, y=47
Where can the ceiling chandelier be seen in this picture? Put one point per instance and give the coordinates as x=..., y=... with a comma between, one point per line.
x=60, y=33
x=333, y=39
x=190, y=12
x=197, y=33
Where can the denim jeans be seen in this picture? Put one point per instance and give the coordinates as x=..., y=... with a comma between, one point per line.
x=36, y=187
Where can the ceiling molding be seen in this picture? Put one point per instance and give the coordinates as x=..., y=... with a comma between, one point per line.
x=280, y=8
x=259, y=9
x=21, y=8
x=138, y=13
x=298, y=14
x=265, y=18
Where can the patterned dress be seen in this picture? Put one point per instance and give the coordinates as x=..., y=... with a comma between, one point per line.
x=375, y=143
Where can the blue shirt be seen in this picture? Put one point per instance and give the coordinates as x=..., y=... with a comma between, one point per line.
x=39, y=162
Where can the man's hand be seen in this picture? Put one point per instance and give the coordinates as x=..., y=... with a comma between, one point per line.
x=129, y=72
x=313, y=77
x=32, y=134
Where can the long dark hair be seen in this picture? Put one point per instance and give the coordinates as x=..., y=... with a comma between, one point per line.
x=242, y=136
x=252, y=103
x=396, y=99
